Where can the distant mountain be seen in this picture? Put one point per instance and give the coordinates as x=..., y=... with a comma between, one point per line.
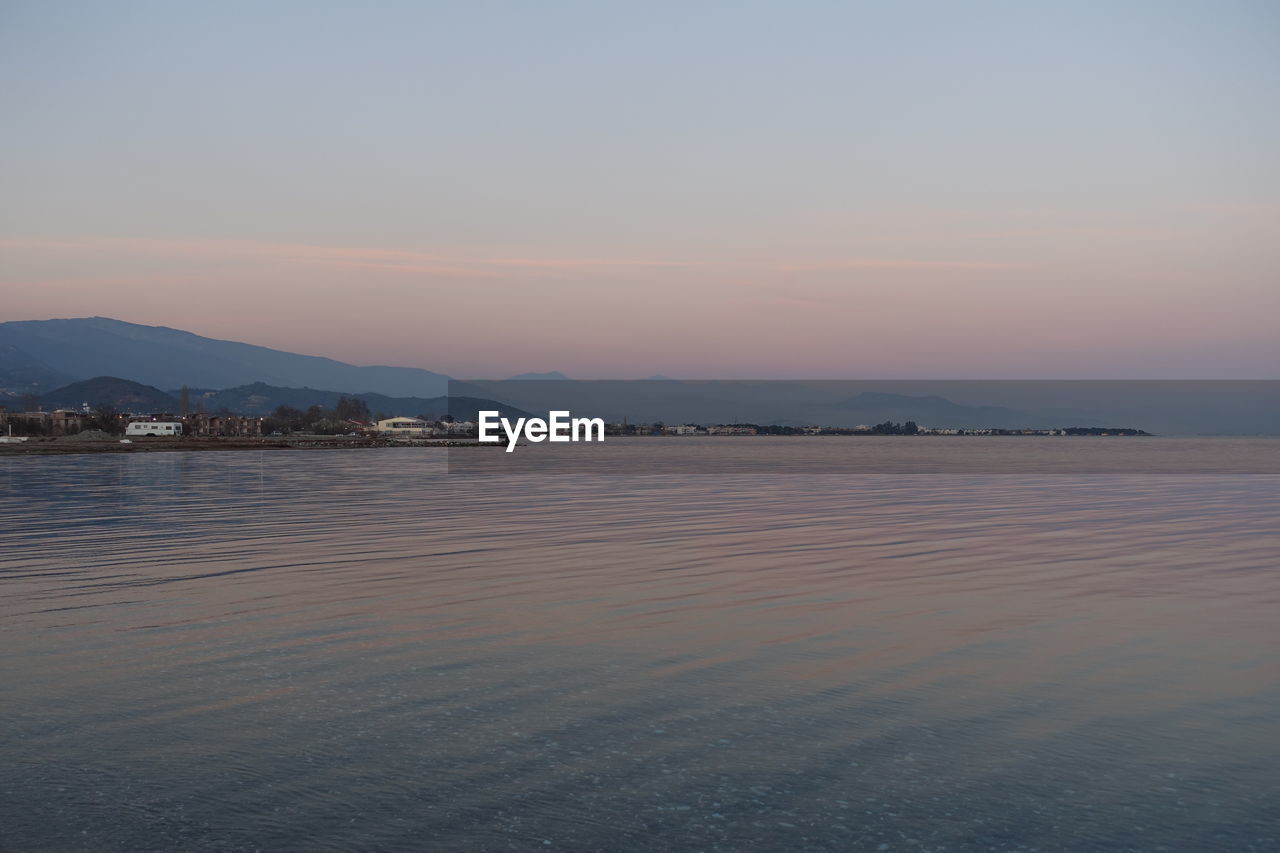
x=468, y=408
x=122, y=395
x=789, y=403
x=873, y=407
x=40, y=354
x=553, y=375
x=261, y=399
x=20, y=373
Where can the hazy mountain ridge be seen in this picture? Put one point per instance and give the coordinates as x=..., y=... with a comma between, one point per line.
x=261, y=399
x=1190, y=407
x=766, y=402
x=122, y=395
x=872, y=407
x=552, y=375
x=71, y=349
x=39, y=355
x=20, y=373
x=256, y=400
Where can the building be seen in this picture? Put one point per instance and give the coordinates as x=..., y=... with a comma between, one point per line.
x=459, y=427
x=406, y=427
x=205, y=424
x=68, y=422
x=25, y=423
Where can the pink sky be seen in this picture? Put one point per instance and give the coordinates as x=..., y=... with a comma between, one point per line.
x=1029, y=303
x=699, y=190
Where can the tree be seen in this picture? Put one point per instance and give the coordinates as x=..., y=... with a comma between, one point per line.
x=106, y=419
x=891, y=428
x=352, y=409
x=329, y=426
x=284, y=419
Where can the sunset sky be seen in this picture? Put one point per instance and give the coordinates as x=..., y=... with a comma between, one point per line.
x=698, y=189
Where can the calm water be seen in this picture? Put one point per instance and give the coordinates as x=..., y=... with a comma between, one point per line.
x=352, y=650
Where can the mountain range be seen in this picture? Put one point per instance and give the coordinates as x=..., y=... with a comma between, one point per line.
x=1167, y=407
x=40, y=355
x=553, y=375
x=97, y=360
x=768, y=402
x=61, y=364
x=122, y=395
x=256, y=400
x=262, y=399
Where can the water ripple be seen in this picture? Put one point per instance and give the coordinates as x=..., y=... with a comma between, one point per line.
x=332, y=651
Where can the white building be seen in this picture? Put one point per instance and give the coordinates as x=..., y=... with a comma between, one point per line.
x=460, y=428
x=407, y=427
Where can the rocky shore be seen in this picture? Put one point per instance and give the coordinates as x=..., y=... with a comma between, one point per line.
x=97, y=442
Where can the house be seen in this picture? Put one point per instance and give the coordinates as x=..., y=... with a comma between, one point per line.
x=204, y=424
x=68, y=422
x=26, y=423
x=459, y=427
x=407, y=427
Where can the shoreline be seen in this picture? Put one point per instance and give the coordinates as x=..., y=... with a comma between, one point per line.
x=70, y=445
x=61, y=446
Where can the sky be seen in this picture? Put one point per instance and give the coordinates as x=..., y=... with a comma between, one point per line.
x=697, y=189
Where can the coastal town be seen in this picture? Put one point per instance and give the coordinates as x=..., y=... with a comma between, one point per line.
x=318, y=426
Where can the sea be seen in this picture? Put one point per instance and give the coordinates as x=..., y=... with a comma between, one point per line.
x=386, y=650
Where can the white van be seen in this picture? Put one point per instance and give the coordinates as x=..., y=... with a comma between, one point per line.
x=170, y=428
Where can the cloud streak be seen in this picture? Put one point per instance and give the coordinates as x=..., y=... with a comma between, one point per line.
x=416, y=262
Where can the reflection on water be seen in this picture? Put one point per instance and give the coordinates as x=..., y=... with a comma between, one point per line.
x=355, y=651
x=879, y=455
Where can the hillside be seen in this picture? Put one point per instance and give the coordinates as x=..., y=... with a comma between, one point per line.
x=262, y=399
x=554, y=376
x=40, y=354
x=122, y=395
x=20, y=373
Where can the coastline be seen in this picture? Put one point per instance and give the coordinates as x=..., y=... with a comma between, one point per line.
x=61, y=446
x=66, y=445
